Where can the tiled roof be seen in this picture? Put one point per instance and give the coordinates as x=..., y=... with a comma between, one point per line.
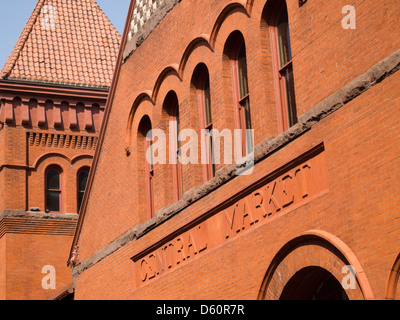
x=65, y=41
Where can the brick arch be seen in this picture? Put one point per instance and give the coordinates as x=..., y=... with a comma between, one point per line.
x=47, y=155
x=200, y=56
x=203, y=40
x=392, y=286
x=81, y=157
x=144, y=96
x=170, y=83
x=228, y=9
x=314, y=248
x=169, y=70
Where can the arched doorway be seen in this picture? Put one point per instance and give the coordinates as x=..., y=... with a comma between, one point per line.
x=313, y=283
x=313, y=266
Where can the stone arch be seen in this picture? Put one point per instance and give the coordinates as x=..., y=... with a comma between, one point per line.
x=316, y=249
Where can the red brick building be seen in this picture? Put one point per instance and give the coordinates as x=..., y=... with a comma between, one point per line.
x=53, y=91
x=317, y=217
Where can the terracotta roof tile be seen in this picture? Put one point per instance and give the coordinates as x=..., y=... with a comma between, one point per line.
x=65, y=41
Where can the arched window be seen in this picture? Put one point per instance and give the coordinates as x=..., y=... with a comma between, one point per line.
x=201, y=82
x=241, y=91
x=171, y=105
x=53, y=189
x=283, y=65
x=145, y=130
x=82, y=178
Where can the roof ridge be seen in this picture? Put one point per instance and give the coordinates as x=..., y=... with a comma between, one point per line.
x=13, y=57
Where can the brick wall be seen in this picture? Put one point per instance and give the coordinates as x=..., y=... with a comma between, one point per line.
x=27, y=254
x=360, y=144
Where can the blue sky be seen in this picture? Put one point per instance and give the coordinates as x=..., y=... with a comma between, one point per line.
x=15, y=14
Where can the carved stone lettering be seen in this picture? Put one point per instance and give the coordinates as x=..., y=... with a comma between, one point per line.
x=289, y=190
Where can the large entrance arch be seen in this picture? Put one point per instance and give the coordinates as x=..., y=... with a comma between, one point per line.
x=314, y=266
x=313, y=283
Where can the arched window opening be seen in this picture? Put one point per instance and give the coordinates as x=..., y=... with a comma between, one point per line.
x=82, y=179
x=201, y=82
x=171, y=105
x=283, y=66
x=145, y=130
x=53, y=189
x=241, y=92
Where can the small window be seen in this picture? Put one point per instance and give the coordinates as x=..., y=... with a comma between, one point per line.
x=53, y=190
x=83, y=175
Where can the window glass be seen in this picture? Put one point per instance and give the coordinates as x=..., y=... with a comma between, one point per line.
x=83, y=177
x=53, y=179
x=53, y=201
x=285, y=52
x=286, y=68
x=53, y=190
x=207, y=101
x=82, y=181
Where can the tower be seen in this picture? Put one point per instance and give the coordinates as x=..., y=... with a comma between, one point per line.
x=53, y=91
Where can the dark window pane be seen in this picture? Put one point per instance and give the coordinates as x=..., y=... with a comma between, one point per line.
x=53, y=201
x=83, y=177
x=207, y=101
x=53, y=179
x=80, y=198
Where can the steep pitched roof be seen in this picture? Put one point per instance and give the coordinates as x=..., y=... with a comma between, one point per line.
x=65, y=42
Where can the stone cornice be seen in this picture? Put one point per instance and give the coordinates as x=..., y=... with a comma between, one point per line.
x=9, y=213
